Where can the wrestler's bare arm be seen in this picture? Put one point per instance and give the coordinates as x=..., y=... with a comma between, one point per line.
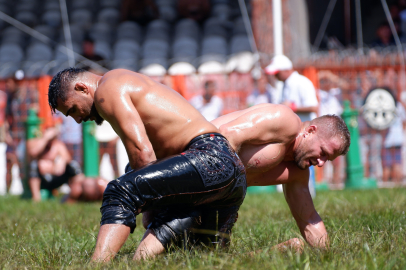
x=263, y=124
x=301, y=205
x=115, y=106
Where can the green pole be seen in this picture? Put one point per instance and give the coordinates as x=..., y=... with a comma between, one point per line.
x=90, y=150
x=355, y=169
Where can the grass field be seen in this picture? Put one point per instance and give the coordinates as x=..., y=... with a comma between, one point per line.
x=366, y=228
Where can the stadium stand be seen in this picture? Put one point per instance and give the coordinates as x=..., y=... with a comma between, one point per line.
x=170, y=44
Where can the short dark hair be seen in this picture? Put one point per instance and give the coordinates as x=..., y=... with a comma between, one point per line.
x=59, y=85
x=334, y=126
x=209, y=83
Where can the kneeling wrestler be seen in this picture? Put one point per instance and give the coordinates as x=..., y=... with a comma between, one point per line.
x=178, y=158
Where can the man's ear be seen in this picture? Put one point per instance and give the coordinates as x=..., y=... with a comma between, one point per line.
x=81, y=87
x=310, y=130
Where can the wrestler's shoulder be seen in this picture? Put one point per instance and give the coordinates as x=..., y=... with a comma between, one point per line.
x=117, y=78
x=282, y=120
x=279, y=112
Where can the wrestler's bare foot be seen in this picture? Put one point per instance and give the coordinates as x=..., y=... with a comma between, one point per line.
x=149, y=247
x=110, y=239
x=294, y=244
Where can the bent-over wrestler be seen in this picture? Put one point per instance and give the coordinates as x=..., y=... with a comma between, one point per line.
x=51, y=166
x=277, y=148
x=190, y=164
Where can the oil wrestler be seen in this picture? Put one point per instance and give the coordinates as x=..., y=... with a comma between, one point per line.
x=177, y=157
x=277, y=148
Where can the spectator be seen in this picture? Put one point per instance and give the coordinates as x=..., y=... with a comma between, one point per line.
x=298, y=93
x=71, y=136
x=208, y=104
x=4, y=136
x=22, y=95
x=196, y=10
x=394, y=10
x=88, y=50
x=260, y=93
x=141, y=11
x=370, y=139
x=107, y=138
x=384, y=36
x=330, y=104
x=392, y=150
x=51, y=166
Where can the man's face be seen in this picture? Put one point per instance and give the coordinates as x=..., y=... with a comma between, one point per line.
x=384, y=32
x=209, y=91
x=316, y=150
x=261, y=84
x=283, y=75
x=79, y=106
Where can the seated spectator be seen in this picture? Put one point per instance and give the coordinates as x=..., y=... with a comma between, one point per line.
x=384, y=36
x=88, y=50
x=260, y=94
x=392, y=150
x=51, y=166
x=208, y=104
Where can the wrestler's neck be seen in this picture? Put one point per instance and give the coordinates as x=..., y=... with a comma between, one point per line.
x=93, y=81
x=291, y=150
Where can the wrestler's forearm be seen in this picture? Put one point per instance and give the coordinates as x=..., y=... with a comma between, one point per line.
x=141, y=158
x=110, y=239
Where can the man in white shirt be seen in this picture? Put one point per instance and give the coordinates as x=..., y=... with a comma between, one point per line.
x=298, y=91
x=208, y=104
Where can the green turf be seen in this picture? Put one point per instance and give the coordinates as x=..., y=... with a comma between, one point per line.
x=366, y=228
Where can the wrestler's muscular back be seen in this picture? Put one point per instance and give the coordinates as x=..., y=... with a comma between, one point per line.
x=168, y=120
x=262, y=135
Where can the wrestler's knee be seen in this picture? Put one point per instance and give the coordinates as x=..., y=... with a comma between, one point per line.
x=117, y=207
x=171, y=228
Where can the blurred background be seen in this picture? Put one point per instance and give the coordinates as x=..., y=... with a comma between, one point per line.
x=213, y=52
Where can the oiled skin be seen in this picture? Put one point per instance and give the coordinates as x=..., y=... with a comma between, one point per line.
x=152, y=120
x=265, y=137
